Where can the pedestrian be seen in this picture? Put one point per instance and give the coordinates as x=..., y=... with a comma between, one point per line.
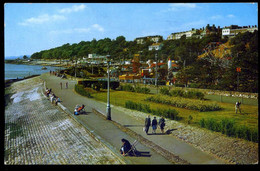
x=50, y=72
x=237, y=106
x=154, y=125
x=67, y=84
x=147, y=124
x=162, y=124
x=60, y=85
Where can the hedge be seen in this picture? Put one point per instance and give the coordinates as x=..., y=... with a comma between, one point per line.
x=181, y=93
x=167, y=113
x=80, y=89
x=136, y=89
x=191, y=104
x=229, y=128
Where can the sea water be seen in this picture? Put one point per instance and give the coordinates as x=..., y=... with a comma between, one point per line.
x=14, y=71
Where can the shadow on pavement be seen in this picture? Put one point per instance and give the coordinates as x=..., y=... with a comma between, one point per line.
x=141, y=154
x=133, y=125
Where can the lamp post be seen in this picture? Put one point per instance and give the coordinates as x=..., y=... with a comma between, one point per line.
x=108, y=93
x=156, y=74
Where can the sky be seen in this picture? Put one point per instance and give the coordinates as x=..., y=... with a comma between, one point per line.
x=33, y=27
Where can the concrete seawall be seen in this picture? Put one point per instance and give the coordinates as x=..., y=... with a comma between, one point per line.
x=37, y=132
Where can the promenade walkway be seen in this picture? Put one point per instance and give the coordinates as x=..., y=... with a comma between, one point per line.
x=129, y=128
x=37, y=132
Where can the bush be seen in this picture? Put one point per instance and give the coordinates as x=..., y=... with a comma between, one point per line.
x=127, y=87
x=165, y=91
x=229, y=128
x=167, y=113
x=138, y=89
x=191, y=104
x=180, y=93
x=96, y=86
x=80, y=89
x=143, y=90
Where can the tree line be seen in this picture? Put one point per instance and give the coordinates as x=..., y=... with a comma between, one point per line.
x=238, y=73
x=207, y=72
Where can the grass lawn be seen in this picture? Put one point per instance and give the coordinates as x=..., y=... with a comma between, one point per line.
x=249, y=116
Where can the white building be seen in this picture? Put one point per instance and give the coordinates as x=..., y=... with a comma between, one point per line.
x=178, y=35
x=155, y=46
x=155, y=39
x=233, y=30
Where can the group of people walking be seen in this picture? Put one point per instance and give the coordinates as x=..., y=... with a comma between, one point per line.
x=154, y=124
x=66, y=85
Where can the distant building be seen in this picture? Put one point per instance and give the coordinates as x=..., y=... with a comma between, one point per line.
x=155, y=46
x=233, y=30
x=198, y=33
x=142, y=40
x=178, y=35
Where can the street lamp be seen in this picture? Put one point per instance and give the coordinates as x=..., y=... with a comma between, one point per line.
x=156, y=74
x=108, y=94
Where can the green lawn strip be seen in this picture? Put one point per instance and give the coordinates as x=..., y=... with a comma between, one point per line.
x=248, y=117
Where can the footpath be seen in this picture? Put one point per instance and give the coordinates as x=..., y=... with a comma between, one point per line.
x=154, y=148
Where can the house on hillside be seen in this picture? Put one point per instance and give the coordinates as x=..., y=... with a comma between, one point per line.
x=155, y=39
x=178, y=35
x=233, y=30
x=210, y=30
x=155, y=46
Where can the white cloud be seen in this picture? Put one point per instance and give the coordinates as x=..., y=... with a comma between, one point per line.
x=42, y=19
x=94, y=27
x=230, y=16
x=98, y=27
x=216, y=17
x=179, y=6
x=74, y=8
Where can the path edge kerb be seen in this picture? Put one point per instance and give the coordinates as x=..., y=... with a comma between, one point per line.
x=91, y=133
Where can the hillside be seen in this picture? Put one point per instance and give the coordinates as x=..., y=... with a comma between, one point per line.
x=218, y=51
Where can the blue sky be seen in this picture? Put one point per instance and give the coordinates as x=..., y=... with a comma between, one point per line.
x=32, y=27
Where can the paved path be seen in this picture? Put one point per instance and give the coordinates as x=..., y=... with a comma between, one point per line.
x=37, y=132
x=112, y=134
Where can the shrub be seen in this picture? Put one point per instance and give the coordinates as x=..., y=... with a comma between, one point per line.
x=137, y=89
x=165, y=91
x=180, y=93
x=191, y=104
x=143, y=90
x=167, y=113
x=229, y=128
x=96, y=86
x=127, y=87
x=80, y=89
x=190, y=119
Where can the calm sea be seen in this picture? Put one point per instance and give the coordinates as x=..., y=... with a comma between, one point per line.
x=13, y=71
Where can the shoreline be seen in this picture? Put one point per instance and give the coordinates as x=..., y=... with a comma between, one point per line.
x=9, y=82
x=41, y=63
